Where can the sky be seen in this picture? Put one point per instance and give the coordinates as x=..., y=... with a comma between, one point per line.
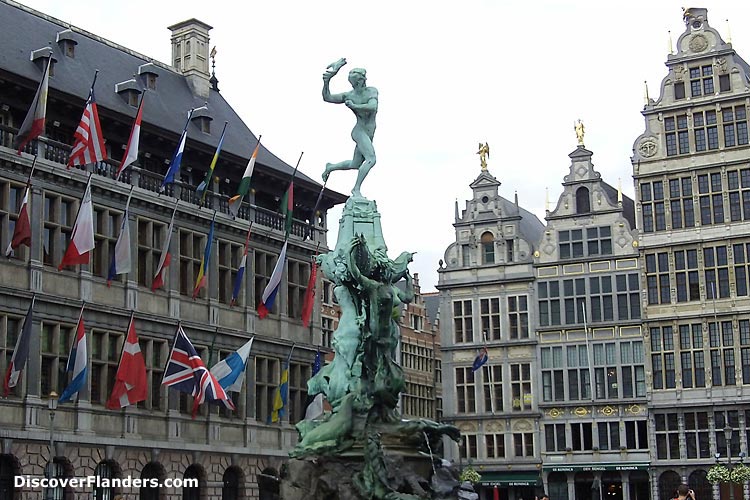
x=449, y=74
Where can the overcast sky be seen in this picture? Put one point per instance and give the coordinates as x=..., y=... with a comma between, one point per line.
x=450, y=74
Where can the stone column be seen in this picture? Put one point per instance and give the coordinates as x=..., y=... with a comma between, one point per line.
x=571, y=485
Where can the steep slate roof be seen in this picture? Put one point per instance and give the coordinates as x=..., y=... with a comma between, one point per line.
x=24, y=30
x=431, y=305
x=628, y=206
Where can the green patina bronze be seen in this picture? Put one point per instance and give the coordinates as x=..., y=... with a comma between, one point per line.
x=364, y=381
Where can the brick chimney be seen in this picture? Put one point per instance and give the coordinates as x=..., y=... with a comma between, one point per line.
x=190, y=54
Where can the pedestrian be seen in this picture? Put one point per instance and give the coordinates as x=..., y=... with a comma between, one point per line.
x=685, y=493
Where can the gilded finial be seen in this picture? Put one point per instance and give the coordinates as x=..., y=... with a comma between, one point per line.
x=645, y=93
x=619, y=190
x=546, y=199
x=580, y=131
x=484, y=153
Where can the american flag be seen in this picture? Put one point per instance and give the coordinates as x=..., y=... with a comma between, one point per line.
x=89, y=141
x=187, y=373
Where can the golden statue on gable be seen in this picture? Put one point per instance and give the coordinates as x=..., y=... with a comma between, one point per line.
x=484, y=153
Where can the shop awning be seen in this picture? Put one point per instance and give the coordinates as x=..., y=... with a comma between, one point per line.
x=510, y=478
x=604, y=466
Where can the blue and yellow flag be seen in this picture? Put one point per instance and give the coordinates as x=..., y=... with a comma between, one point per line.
x=202, y=188
x=201, y=280
x=282, y=395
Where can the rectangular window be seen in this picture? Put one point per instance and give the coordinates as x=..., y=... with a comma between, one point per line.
x=676, y=134
x=681, y=202
x=10, y=329
x=734, y=121
x=716, y=272
x=571, y=244
x=686, y=275
x=11, y=197
x=652, y=203
x=663, y=357
x=657, y=278
x=724, y=83
x=628, y=296
x=632, y=369
x=601, y=299
x=609, y=435
x=299, y=374
x=155, y=353
x=55, y=344
x=549, y=303
x=581, y=436
x=518, y=317
x=267, y=376
x=465, y=391
x=667, y=436
x=298, y=274
x=468, y=448
x=489, y=313
x=105, y=356
x=636, y=437
x=495, y=445
x=191, y=251
x=59, y=215
x=230, y=255
x=554, y=437
x=579, y=374
x=574, y=291
x=520, y=377
x=151, y=237
x=738, y=183
x=696, y=435
x=711, y=199
x=553, y=383
x=107, y=227
x=705, y=130
x=523, y=444
x=463, y=321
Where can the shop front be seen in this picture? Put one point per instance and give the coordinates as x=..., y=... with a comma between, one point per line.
x=602, y=481
x=510, y=485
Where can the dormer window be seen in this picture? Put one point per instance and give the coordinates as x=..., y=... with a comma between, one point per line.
x=129, y=91
x=148, y=75
x=42, y=57
x=202, y=119
x=67, y=41
x=583, y=201
x=204, y=123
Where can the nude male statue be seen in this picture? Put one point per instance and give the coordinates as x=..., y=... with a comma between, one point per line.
x=363, y=101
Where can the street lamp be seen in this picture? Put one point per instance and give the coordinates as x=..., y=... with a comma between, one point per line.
x=49, y=469
x=728, y=431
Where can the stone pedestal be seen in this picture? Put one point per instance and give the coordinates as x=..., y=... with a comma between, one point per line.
x=409, y=476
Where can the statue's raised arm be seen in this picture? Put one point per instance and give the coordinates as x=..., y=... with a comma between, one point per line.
x=363, y=101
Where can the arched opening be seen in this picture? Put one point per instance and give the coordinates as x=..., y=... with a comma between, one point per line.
x=702, y=488
x=584, y=484
x=488, y=248
x=583, y=200
x=152, y=474
x=557, y=484
x=268, y=484
x=611, y=486
x=57, y=469
x=106, y=470
x=9, y=468
x=194, y=486
x=668, y=483
x=233, y=484
x=639, y=485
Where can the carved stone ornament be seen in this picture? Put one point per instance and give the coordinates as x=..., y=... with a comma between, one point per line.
x=679, y=72
x=698, y=43
x=648, y=147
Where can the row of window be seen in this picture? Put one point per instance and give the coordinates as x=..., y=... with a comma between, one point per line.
x=674, y=205
x=587, y=436
x=714, y=348
x=517, y=315
x=616, y=368
x=702, y=83
x=55, y=341
x=584, y=301
x=59, y=216
x=420, y=400
x=495, y=445
x=697, y=428
x=717, y=270
x=515, y=394
x=591, y=242
x=706, y=130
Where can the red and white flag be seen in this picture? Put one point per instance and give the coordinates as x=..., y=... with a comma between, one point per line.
x=131, y=151
x=166, y=257
x=309, y=302
x=130, y=381
x=89, y=141
x=82, y=238
x=22, y=230
x=33, y=124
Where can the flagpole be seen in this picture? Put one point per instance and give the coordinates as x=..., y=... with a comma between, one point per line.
x=137, y=113
x=212, y=167
x=489, y=377
x=171, y=351
x=233, y=302
x=588, y=353
x=119, y=363
x=257, y=144
x=33, y=166
x=315, y=209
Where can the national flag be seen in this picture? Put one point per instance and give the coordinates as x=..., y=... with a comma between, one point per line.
x=206, y=182
x=130, y=380
x=287, y=208
x=174, y=166
x=282, y=395
x=22, y=229
x=131, y=150
x=236, y=201
x=166, y=256
x=33, y=124
x=272, y=288
x=82, y=237
x=121, y=261
x=241, y=270
x=314, y=216
x=20, y=352
x=88, y=146
x=230, y=371
x=187, y=373
x=201, y=280
x=309, y=302
x=314, y=405
x=77, y=362
x=480, y=360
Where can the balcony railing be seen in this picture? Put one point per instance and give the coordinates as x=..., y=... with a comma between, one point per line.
x=150, y=181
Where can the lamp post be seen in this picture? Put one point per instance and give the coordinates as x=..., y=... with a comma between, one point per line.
x=51, y=406
x=728, y=431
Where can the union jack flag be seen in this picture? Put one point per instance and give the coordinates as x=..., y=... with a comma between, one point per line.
x=89, y=141
x=187, y=373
